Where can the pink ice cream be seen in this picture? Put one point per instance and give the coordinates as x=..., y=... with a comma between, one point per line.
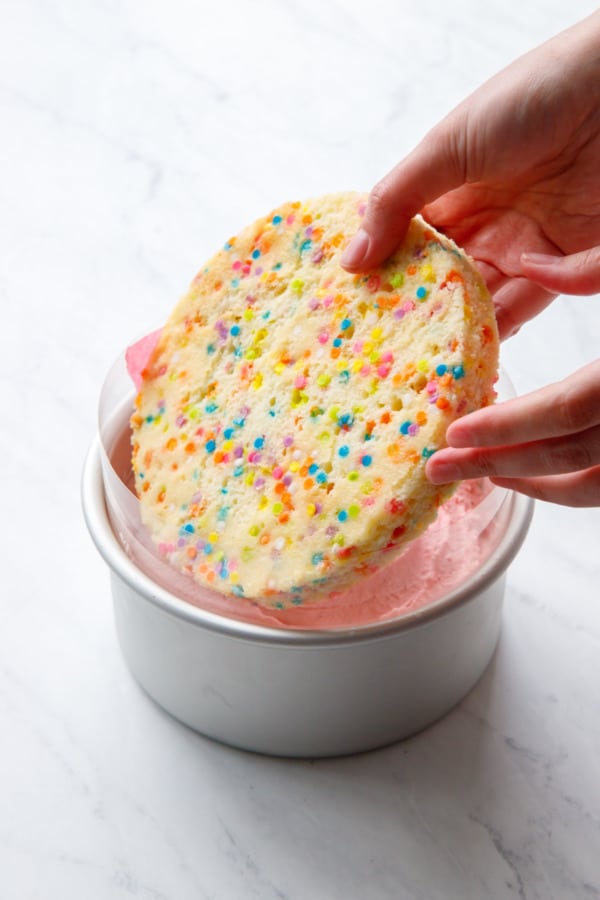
x=138, y=355
x=447, y=555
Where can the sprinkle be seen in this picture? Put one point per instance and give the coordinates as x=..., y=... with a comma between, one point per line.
x=458, y=372
x=342, y=515
x=366, y=460
x=344, y=450
x=345, y=324
x=421, y=292
x=441, y=369
x=259, y=443
x=210, y=446
x=276, y=220
x=234, y=330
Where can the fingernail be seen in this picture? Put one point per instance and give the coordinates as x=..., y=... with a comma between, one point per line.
x=356, y=250
x=541, y=259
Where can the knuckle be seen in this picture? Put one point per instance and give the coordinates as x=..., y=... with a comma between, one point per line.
x=481, y=462
x=573, y=410
x=571, y=456
x=381, y=198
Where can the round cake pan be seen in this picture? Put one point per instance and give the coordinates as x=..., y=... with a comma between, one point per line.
x=302, y=693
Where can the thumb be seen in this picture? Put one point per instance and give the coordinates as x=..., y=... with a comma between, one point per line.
x=434, y=167
x=578, y=273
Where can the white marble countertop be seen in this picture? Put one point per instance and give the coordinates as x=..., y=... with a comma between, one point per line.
x=135, y=136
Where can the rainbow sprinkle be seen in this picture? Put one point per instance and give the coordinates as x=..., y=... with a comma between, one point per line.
x=298, y=407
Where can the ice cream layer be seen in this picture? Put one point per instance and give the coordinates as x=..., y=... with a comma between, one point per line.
x=446, y=556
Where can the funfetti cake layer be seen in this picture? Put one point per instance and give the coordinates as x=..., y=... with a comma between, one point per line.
x=288, y=410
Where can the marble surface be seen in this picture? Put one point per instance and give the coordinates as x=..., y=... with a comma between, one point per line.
x=135, y=137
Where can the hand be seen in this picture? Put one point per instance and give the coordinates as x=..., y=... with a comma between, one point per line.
x=511, y=173
x=513, y=176
x=545, y=444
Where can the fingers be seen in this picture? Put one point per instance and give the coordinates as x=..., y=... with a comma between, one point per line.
x=577, y=489
x=550, y=457
x=516, y=302
x=434, y=167
x=566, y=407
x=545, y=444
x=578, y=273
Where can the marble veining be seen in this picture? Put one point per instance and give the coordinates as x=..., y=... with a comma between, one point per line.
x=136, y=137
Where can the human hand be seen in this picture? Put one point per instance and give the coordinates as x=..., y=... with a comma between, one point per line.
x=545, y=444
x=511, y=173
x=513, y=176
